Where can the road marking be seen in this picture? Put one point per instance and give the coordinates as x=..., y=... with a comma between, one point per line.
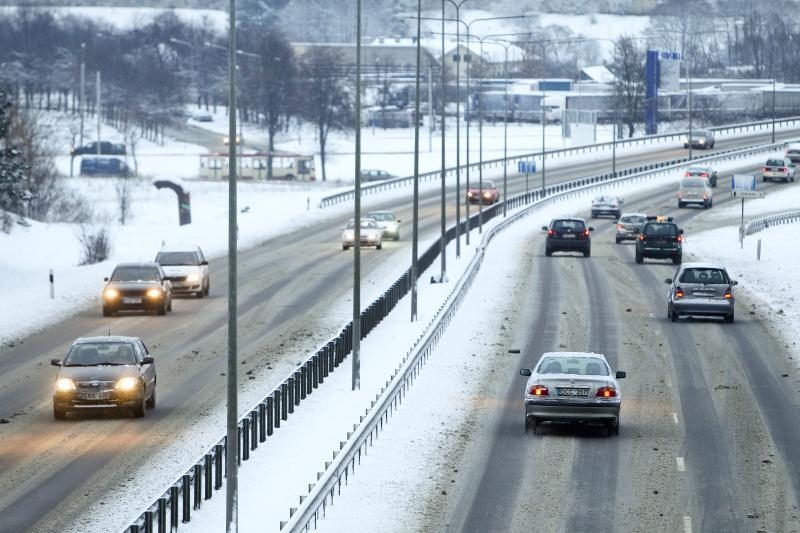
x=687, y=524
x=681, y=464
x=675, y=417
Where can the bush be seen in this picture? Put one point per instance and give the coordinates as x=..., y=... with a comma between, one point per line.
x=95, y=243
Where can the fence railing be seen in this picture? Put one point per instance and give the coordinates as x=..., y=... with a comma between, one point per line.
x=762, y=223
x=206, y=475
x=395, y=183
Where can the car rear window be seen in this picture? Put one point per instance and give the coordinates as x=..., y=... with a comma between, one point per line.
x=382, y=216
x=704, y=275
x=575, y=225
x=632, y=219
x=693, y=182
x=656, y=229
x=177, y=259
x=101, y=353
x=775, y=163
x=581, y=366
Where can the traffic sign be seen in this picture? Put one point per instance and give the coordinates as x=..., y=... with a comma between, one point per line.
x=746, y=193
x=526, y=166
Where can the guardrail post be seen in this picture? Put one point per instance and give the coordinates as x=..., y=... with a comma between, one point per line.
x=208, y=472
x=298, y=381
x=284, y=401
x=331, y=355
x=270, y=411
x=315, y=370
x=148, y=521
x=290, y=385
x=253, y=429
x=218, y=453
x=244, y=431
x=277, y=403
x=262, y=422
x=162, y=515
x=303, y=381
x=186, y=488
x=198, y=479
x=173, y=507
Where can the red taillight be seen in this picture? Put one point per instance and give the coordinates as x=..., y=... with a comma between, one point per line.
x=539, y=390
x=586, y=233
x=784, y=170
x=703, y=175
x=705, y=196
x=641, y=237
x=679, y=293
x=765, y=169
x=728, y=294
x=606, y=392
x=551, y=232
x=680, y=195
x=679, y=238
x=619, y=226
x=687, y=173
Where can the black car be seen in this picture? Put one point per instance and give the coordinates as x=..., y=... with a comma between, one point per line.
x=568, y=235
x=106, y=148
x=104, y=166
x=137, y=287
x=660, y=238
x=105, y=373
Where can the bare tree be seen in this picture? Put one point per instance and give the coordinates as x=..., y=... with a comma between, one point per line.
x=628, y=69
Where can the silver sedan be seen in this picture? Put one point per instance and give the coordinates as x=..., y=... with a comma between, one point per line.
x=700, y=289
x=369, y=235
x=572, y=387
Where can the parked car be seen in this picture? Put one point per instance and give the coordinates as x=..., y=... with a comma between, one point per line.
x=695, y=191
x=488, y=194
x=700, y=139
x=660, y=238
x=201, y=116
x=186, y=269
x=702, y=171
x=700, y=289
x=137, y=287
x=375, y=175
x=389, y=224
x=104, y=166
x=370, y=234
x=568, y=235
x=226, y=140
x=793, y=153
x=572, y=387
x=778, y=169
x=605, y=205
x=105, y=373
x=106, y=148
x=628, y=226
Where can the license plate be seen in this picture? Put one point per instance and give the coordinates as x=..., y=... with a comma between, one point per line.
x=129, y=300
x=573, y=391
x=568, y=236
x=94, y=395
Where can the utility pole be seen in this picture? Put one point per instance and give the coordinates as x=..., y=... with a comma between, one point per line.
x=98, y=112
x=443, y=252
x=356, y=374
x=82, y=102
x=415, y=216
x=430, y=107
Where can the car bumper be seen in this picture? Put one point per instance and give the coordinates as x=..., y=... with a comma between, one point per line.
x=184, y=286
x=146, y=304
x=775, y=176
x=627, y=235
x=567, y=245
x=703, y=307
x=693, y=200
x=363, y=243
x=557, y=410
x=605, y=211
x=111, y=400
x=662, y=253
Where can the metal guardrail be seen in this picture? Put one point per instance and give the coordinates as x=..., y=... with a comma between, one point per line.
x=762, y=223
x=343, y=462
x=206, y=476
x=394, y=183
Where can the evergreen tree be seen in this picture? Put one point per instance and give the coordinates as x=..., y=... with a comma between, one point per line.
x=12, y=169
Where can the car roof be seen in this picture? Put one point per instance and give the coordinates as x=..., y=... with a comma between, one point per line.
x=179, y=249
x=105, y=338
x=579, y=219
x=139, y=264
x=633, y=215
x=569, y=355
x=685, y=266
x=379, y=213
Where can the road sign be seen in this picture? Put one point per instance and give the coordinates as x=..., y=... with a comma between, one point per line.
x=526, y=166
x=746, y=193
x=743, y=182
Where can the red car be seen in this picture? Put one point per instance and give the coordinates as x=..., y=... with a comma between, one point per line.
x=487, y=195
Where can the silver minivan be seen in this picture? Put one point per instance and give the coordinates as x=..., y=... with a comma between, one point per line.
x=695, y=190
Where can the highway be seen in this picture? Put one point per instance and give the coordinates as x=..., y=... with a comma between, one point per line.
x=290, y=294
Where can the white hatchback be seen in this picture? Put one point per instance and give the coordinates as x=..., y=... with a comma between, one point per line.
x=187, y=269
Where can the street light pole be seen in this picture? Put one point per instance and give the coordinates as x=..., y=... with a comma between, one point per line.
x=356, y=370
x=443, y=247
x=773, y=110
x=689, y=76
x=82, y=103
x=415, y=216
x=458, y=5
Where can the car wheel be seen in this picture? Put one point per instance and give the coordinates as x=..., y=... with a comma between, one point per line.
x=669, y=312
x=139, y=408
x=676, y=260
x=617, y=240
x=729, y=318
x=207, y=289
x=379, y=246
x=162, y=310
x=345, y=247
x=639, y=258
x=615, y=426
x=200, y=293
x=587, y=253
x=680, y=204
x=151, y=401
x=59, y=413
x=107, y=311
x=397, y=236
x=674, y=316
x=548, y=252
x=289, y=177
x=594, y=215
x=169, y=306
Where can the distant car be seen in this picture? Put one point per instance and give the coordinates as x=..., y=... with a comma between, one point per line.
x=793, y=153
x=695, y=191
x=700, y=139
x=486, y=195
x=700, y=289
x=202, y=117
x=605, y=205
x=186, y=269
x=702, y=171
x=660, y=238
x=137, y=287
x=106, y=148
x=105, y=373
x=628, y=226
x=778, y=169
x=371, y=234
x=568, y=235
x=572, y=387
x=104, y=166
x=375, y=175
x=389, y=224
x=227, y=140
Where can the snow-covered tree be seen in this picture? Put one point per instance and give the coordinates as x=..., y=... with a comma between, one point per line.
x=12, y=168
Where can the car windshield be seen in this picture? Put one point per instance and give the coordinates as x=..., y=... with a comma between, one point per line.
x=700, y=133
x=135, y=273
x=605, y=199
x=698, y=170
x=575, y=225
x=580, y=366
x=704, y=275
x=100, y=353
x=632, y=219
x=656, y=230
x=177, y=259
x=488, y=185
x=384, y=217
x=368, y=224
x=693, y=183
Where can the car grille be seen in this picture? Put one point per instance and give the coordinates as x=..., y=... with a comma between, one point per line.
x=139, y=293
x=176, y=278
x=90, y=385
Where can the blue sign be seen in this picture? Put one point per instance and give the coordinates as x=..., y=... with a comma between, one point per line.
x=526, y=166
x=743, y=182
x=651, y=93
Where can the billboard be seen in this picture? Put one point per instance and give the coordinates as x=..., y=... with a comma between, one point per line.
x=669, y=71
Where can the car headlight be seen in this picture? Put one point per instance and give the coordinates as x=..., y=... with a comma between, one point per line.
x=65, y=384
x=193, y=278
x=702, y=141
x=110, y=294
x=127, y=383
x=154, y=293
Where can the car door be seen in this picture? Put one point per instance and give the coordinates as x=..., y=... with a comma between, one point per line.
x=203, y=263
x=148, y=371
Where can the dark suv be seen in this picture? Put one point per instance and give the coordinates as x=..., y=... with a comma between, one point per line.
x=106, y=148
x=568, y=235
x=660, y=238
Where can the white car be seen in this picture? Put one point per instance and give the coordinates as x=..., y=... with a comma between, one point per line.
x=387, y=222
x=572, y=387
x=695, y=190
x=778, y=169
x=187, y=269
x=371, y=234
x=605, y=205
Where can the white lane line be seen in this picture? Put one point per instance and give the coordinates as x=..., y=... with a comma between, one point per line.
x=681, y=464
x=687, y=524
x=675, y=417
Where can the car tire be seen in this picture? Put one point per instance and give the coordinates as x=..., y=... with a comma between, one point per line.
x=594, y=215
x=681, y=205
x=107, y=311
x=639, y=258
x=169, y=306
x=162, y=310
x=617, y=240
x=729, y=318
x=289, y=177
x=674, y=316
x=676, y=260
x=59, y=413
x=207, y=289
x=200, y=294
x=587, y=253
x=548, y=252
x=378, y=246
x=397, y=236
x=138, y=410
x=345, y=247
x=151, y=401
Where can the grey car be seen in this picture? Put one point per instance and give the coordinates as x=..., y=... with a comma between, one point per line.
x=703, y=171
x=628, y=226
x=605, y=205
x=695, y=191
x=572, y=387
x=110, y=372
x=700, y=139
x=700, y=289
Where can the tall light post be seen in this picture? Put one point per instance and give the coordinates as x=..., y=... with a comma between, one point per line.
x=82, y=102
x=415, y=216
x=356, y=370
x=773, y=110
x=443, y=247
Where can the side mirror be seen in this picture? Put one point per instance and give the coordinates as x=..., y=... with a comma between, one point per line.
x=525, y=372
x=621, y=201
x=105, y=279
x=680, y=231
x=734, y=282
x=544, y=228
x=591, y=228
x=620, y=374
x=148, y=360
x=668, y=281
x=55, y=362
x=399, y=221
x=204, y=263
